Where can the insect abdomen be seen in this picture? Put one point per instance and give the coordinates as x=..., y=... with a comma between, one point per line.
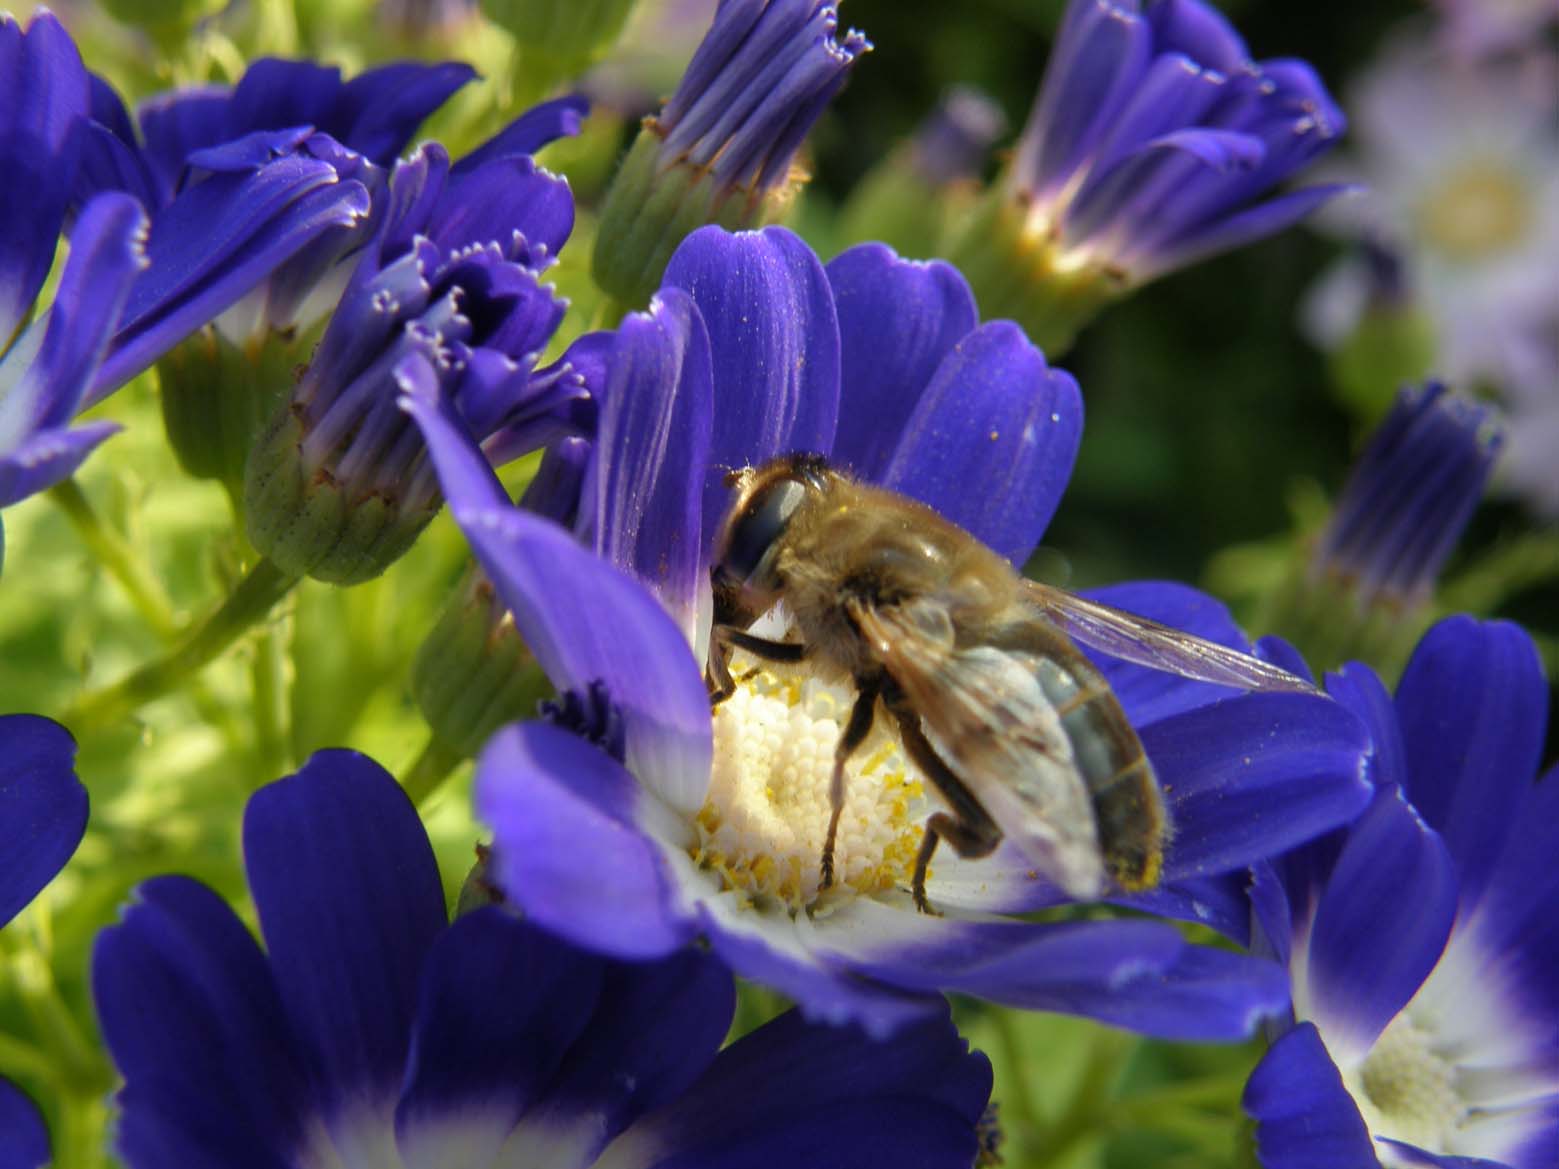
x=1127, y=804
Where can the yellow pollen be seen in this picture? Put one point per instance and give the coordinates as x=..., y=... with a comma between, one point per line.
x=762, y=827
x=1479, y=211
x=1407, y=1091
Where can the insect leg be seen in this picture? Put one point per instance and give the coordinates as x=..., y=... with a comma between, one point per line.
x=970, y=829
x=717, y=675
x=855, y=732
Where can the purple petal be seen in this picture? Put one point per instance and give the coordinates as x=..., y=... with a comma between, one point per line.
x=590, y=623
x=504, y=200
x=1474, y=707
x=655, y=1030
x=43, y=94
x=774, y=340
x=1225, y=233
x=992, y=440
x=349, y=901
x=46, y=458
x=1305, y=1118
x=190, y=1013
x=652, y=449
x=466, y=477
x=1380, y=925
x=214, y=244
x=536, y=127
x=1252, y=777
x=1150, y=695
x=1406, y=1154
x=570, y=846
x=26, y=1141
x=1272, y=916
x=897, y=320
x=378, y=111
x=106, y=255
x=795, y=1093
x=175, y=125
x=501, y=1004
x=43, y=807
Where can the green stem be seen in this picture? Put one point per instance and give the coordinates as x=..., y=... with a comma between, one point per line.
x=1504, y=571
x=115, y=554
x=1087, y=1111
x=429, y=770
x=257, y=593
x=269, y=677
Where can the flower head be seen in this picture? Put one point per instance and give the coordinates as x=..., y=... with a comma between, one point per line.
x=448, y=297
x=48, y=363
x=713, y=826
x=720, y=150
x=1421, y=940
x=1155, y=142
x=372, y=1033
x=43, y=813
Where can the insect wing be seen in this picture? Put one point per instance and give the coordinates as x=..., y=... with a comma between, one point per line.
x=1145, y=642
x=987, y=717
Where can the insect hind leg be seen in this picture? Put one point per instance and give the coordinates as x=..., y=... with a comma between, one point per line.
x=970, y=829
x=855, y=732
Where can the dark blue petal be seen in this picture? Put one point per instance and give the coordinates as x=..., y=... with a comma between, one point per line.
x=1149, y=695
x=992, y=440
x=1251, y=777
x=897, y=320
x=1099, y=58
x=1305, y=1118
x=173, y=1122
x=502, y=1003
x=175, y=125
x=48, y=457
x=349, y=901
x=1380, y=925
x=570, y=845
x=216, y=242
x=652, y=450
x=43, y=95
x=378, y=111
x=1474, y=708
x=656, y=1027
x=467, y=478
x=43, y=807
x=536, y=127
x=105, y=258
x=774, y=339
x=1233, y=231
x=109, y=163
x=1272, y=916
x=1406, y=1154
x=588, y=622
x=25, y=1144
x=190, y=1012
x=1220, y=903
x=528, y=212
x=795, y=1093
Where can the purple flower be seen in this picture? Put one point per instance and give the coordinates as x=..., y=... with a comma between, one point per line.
x=370, y=1031
x=43, y=813
x=638, y=821
x=1155, y=142
x=50, y=362
x=1422, y=941
x=720, y=150
x=447, y=297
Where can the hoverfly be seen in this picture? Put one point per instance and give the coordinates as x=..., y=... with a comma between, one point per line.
x=992, y=701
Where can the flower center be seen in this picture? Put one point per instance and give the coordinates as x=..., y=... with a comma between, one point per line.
x=1479, y=211
x=763, y=825
x=1406, y=1090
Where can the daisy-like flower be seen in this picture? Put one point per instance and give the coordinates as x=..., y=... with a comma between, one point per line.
x=43, y=813
x=371, y=1033
x=1155, y=142
x=48, y=362
x=1477, y=28
x=1461, y=173
x=632, y=821
x=1422, y=940
x=720, y=150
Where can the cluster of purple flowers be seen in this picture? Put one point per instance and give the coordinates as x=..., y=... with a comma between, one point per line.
x=1376, y=867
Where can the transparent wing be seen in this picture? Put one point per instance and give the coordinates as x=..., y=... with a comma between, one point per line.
x=986, y=715
x=1159, y=647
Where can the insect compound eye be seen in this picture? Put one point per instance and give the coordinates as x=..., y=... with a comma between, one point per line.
x=759, y=525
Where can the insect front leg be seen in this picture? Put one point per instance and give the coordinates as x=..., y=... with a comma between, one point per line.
x=855, y=732
x=717, y=674
x=969, y=829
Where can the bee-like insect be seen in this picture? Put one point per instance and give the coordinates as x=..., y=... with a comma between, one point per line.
x=996, y=706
